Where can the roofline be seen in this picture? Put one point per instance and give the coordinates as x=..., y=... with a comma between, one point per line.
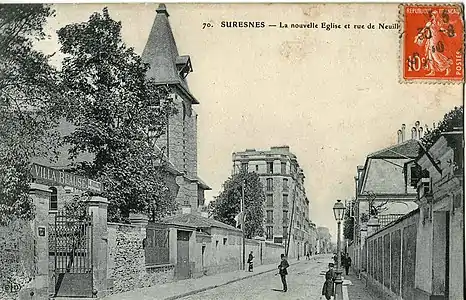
x=371, y=155
x=177, y=84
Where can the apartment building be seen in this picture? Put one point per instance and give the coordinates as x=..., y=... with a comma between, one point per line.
x=283, y=182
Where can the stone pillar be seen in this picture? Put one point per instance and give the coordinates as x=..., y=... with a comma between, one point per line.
x=97, y=206
x=372, y=225
x=362, y=256
x=172, y=239
x=141, y=221
x=39, y=287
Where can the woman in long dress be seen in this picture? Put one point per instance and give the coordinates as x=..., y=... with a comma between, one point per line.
x=432, y=34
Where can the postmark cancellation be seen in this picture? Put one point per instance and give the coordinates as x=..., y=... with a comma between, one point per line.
x=432, y=43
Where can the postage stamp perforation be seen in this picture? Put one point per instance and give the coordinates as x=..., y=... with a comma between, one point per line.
x=402, y=46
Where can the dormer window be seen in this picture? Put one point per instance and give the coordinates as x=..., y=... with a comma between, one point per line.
x=183, y=66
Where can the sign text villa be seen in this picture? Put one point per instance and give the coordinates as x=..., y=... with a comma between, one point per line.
x=66, y=179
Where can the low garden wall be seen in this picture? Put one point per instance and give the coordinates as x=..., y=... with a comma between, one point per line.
x=126, y=260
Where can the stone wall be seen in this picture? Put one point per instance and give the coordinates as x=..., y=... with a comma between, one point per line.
x=126, y=261
x=16, y=258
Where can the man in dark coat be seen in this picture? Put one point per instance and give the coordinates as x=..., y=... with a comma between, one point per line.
x=250, y=258
x=327, y=289
x=282, y=270
x=347, y=263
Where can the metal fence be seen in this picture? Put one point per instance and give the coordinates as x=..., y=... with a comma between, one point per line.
x=156, y=246
x=384, y=220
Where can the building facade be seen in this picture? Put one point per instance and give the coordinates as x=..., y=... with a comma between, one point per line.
x=437, y=176
x=283, y=182
x=179, y=143
x=381, y=193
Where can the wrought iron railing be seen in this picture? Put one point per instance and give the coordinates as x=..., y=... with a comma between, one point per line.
x=384, y=220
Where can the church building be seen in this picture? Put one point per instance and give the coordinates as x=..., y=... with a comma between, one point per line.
x=179, y=142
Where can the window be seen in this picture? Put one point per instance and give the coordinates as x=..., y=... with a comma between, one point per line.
x=270, y=200
x=269, y=232
x=270, y=167
x=285, y=217
x=224, y=241
x=283, y=167
x=244, y=166
x=285, y=184
x=53, y=199
x=257, y=168
x=285, y=232
x=270, y=216
x=269, y=184
x=285, y=200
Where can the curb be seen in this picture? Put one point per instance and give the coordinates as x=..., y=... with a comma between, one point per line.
x=222, y=284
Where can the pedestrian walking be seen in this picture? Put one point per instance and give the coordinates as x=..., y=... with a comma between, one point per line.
x=250, y=258
x=327, y=288
x=347, y=263
x=282, y=270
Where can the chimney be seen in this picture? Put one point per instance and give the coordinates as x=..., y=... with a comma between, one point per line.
x=413, y=133
x=399, y=136
x=403, y=129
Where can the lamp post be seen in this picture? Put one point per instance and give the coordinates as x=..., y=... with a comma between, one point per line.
x=338, y=212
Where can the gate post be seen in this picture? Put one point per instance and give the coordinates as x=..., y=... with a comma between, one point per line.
x=39, y=288
x=97, y=206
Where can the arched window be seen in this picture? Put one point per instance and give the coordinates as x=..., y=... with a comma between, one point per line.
x=53, y=199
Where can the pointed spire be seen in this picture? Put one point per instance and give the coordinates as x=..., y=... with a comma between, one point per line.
x=166, y=66
x=162, y=9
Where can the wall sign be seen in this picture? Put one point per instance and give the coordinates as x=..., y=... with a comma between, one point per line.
x=66, y=179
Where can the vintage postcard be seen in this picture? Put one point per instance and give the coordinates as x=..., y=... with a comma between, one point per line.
x=232, y=151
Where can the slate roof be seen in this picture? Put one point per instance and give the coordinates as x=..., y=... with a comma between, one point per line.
x=197, y=221
x=162, y=55
x=407, y=149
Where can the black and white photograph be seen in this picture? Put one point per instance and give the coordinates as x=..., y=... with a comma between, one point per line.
x=237, y=151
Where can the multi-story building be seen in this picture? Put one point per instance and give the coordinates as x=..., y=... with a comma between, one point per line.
x=381, y=193
x=283, y=182
x=179, y=142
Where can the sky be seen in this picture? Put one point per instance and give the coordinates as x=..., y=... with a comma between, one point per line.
x=332, y=96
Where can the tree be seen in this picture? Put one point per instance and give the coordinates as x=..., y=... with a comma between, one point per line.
x=29, y=103
x=348, y=226
x=118, y=114
x=454, y=118
x=227, y=204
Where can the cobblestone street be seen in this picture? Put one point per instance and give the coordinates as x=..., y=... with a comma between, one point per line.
x=304, y=282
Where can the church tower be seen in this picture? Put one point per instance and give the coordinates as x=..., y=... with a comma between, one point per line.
x=179, y=142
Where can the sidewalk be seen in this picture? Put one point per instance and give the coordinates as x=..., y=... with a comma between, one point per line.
x=357, y=289
x=183, y=288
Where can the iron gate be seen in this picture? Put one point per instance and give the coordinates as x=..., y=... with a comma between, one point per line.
x=70, y=249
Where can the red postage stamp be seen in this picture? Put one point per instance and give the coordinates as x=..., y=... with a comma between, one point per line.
x=432, y=43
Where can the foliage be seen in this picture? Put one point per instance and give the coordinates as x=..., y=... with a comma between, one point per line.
x=227, y=204
x=454, y=118
x=348, y=226
x=364, y=218
x=118, y=114
x=29, y=103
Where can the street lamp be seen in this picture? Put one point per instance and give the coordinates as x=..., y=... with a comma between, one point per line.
x=338, y=212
